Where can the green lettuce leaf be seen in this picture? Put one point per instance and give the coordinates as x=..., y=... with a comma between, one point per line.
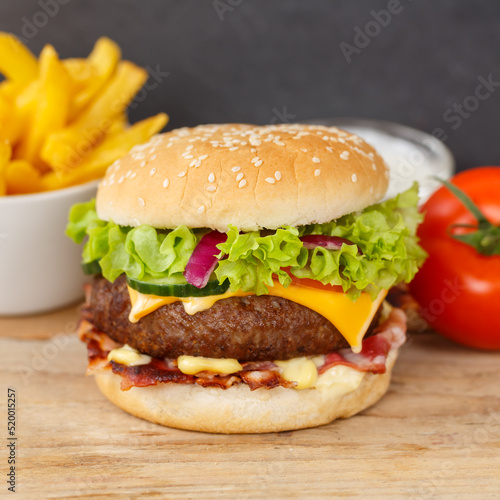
x=385, y=234
x=137, y=252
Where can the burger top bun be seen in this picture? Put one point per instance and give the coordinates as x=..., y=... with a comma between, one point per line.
x=248, y=176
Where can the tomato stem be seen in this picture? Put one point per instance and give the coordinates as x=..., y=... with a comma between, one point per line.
x=486, y=237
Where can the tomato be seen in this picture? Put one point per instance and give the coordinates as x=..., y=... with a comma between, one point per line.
x=458, y=288
x=309, y=283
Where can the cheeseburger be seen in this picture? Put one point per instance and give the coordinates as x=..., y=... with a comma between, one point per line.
x=240, y=277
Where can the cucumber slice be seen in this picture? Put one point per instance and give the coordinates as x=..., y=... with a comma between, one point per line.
x=91, y=267
x=176, y=286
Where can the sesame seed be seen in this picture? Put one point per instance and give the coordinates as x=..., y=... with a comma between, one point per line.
x=202, y=157
x=211, y=177
x=317, y=172
x=181, y=174
x=169, y=144
x=329, y=148
x=279, y=143
x=374, y=166
x=325, y=138
x=236, y=169
x=345, y=155
x=253, y=150
x=141, y=202
x=190, y=147
x=270, y=180
x=133, y=175
x=255, y=158
x=342, y=141
x=153, y=157
x=197, y=164
x=127, y=175
x=201, y=209
x=242, y=183
x=244, y=143
x=152, y=150
x=166, y=182
x=143, y=163
x=152, y=171
x=303, y=149
x=239, y=176
x=354, y=178
x=188, y=157
x=193, y=163
x=120, y=180
x=277, y=174
x=234, y=148
x=315, y=159
x=211, y=188
x=258, y=163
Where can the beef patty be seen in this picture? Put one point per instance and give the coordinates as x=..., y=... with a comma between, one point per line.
x=252, y=328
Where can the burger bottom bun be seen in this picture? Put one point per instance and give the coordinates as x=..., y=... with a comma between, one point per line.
x=240, y=410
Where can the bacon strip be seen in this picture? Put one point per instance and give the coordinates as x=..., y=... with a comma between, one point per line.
x=374, y=351
x=372, y=358
x=155, y=372
x=264, y=378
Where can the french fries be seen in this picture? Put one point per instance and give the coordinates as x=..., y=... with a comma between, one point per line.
x=63, y=122
x=114, y=146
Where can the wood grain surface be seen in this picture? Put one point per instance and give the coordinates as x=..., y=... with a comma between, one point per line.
x=436, y=434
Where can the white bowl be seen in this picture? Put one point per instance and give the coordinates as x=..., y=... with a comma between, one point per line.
x=39, y=265
x=410, y=154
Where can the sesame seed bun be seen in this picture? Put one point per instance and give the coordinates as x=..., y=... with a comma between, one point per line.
x=238, y=410
x=252, y=177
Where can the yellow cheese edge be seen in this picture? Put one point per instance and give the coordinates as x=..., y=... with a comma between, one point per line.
x=352, y=319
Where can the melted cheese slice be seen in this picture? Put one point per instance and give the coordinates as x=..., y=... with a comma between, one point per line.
x=191, y=365
x=352, y=319
x=128, y=356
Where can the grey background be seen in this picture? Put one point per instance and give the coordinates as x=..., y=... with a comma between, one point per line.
x=259, y=61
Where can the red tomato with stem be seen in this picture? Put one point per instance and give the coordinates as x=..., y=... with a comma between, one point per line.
x=458, y=287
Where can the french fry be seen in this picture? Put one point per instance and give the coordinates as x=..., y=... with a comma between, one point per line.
x=22, y=178
x=5, y=154
x=10, y=89
x=52, y=106
x=10, y=126
x=102, y=63
x=66, y=149
x=22, y=110
x=119, y=124
x=113, y=147
x=81, y=73
x=17, y=63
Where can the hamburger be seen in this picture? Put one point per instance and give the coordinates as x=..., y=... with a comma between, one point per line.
x=240, y=274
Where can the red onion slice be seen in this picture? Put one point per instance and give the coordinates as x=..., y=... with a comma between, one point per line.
x=312, y=241
x=203, y=260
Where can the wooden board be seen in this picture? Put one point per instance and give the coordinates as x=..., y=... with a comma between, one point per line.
x=435, y=435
